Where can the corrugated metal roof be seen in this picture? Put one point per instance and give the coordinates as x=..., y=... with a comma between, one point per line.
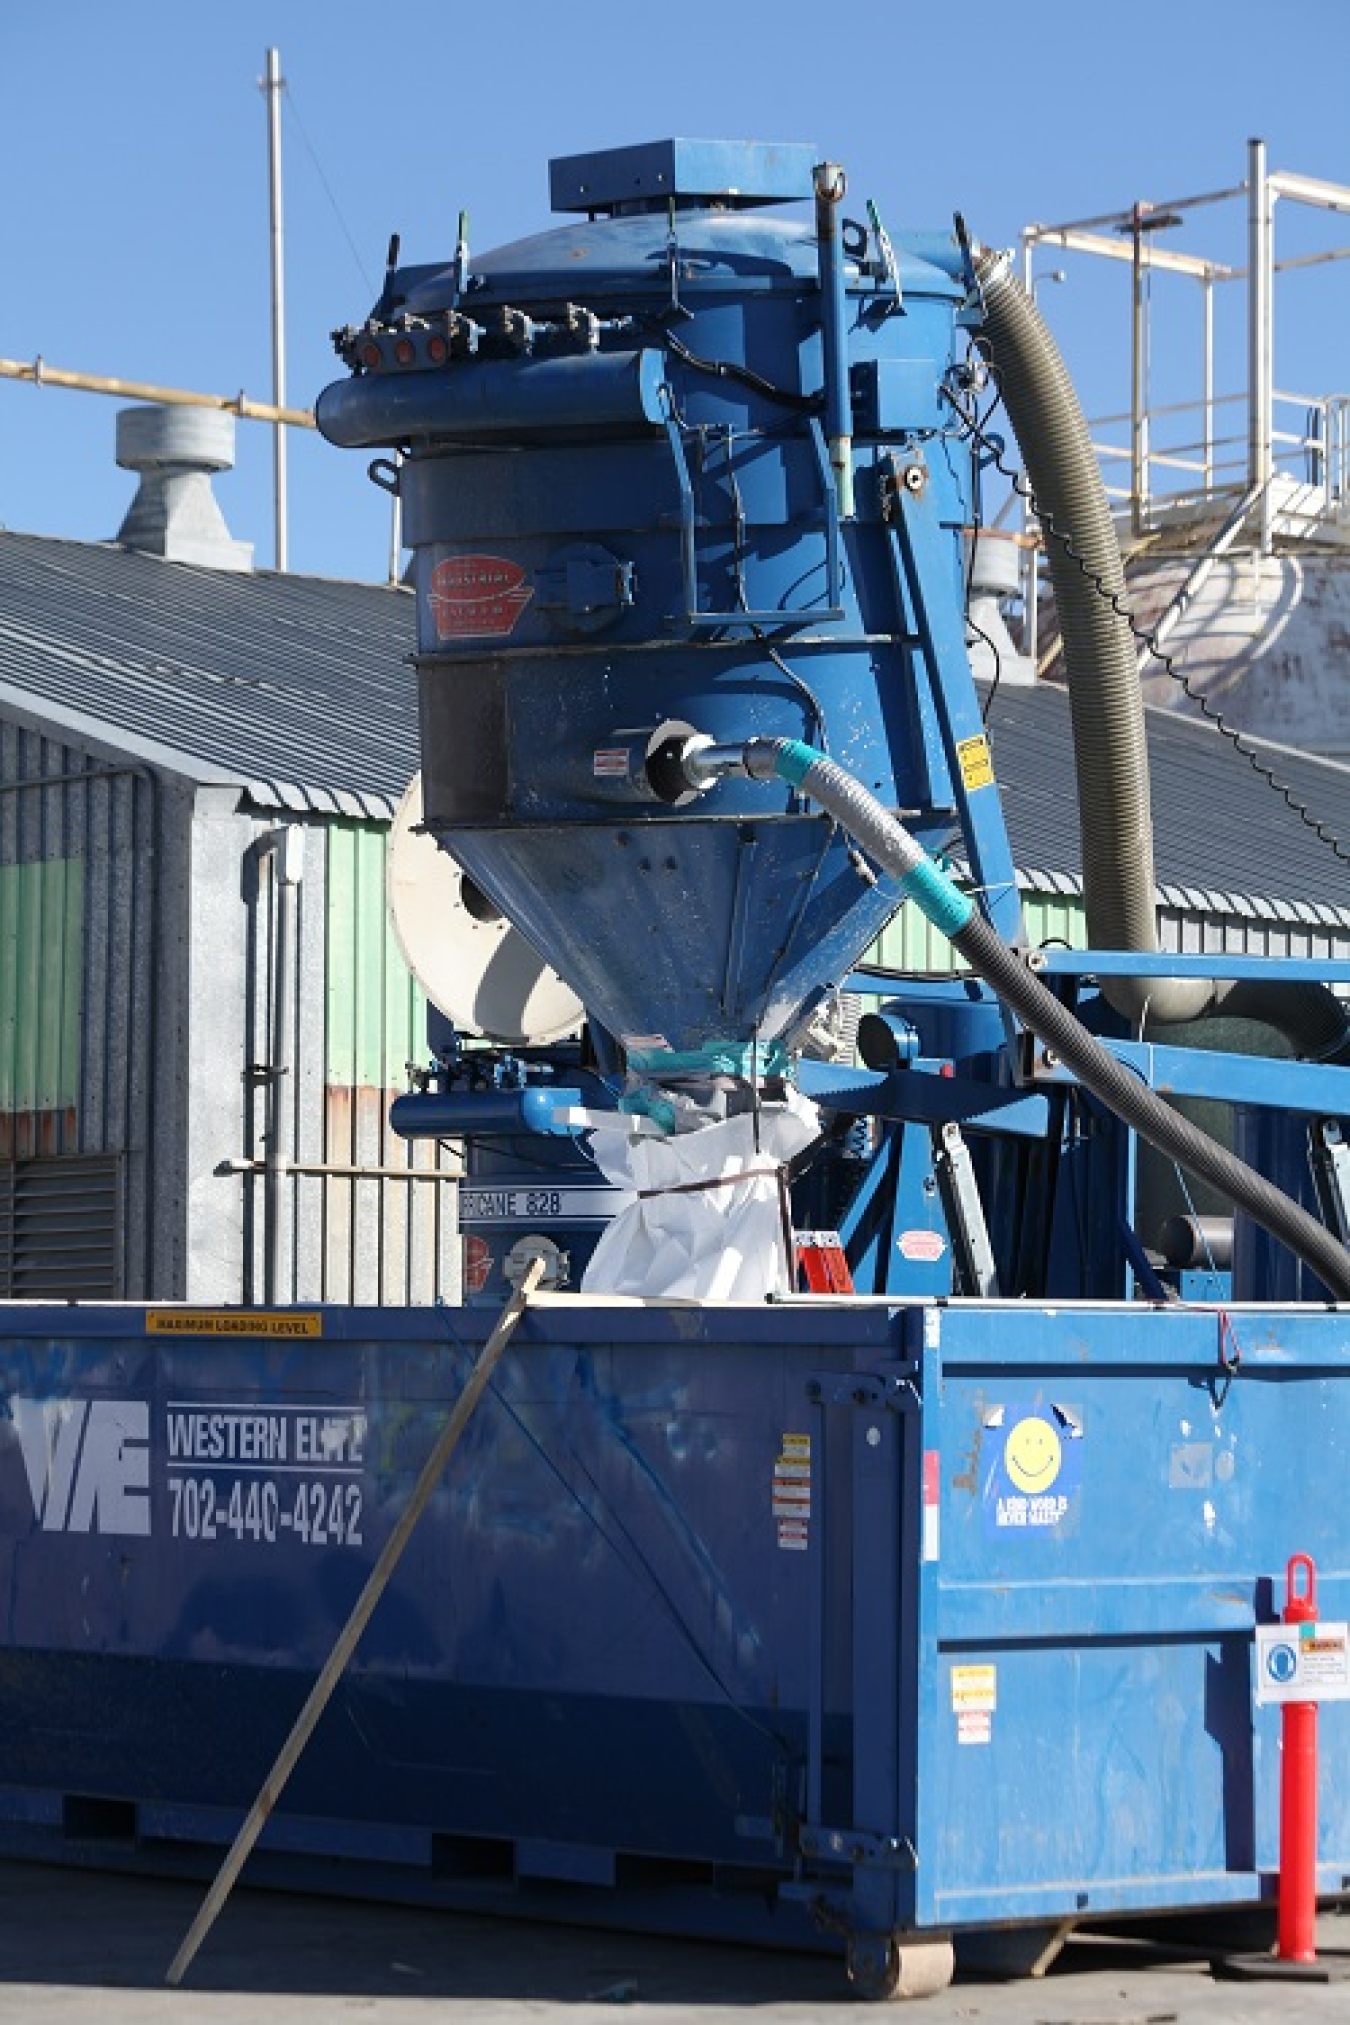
x=1224, y=841
x=295, y=688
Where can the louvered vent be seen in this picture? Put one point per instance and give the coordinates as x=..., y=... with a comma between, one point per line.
x=58, y=1229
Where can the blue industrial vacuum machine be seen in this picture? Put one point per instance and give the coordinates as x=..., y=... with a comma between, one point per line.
x=922, y=1610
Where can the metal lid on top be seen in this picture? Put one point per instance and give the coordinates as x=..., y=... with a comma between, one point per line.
x=648, y=175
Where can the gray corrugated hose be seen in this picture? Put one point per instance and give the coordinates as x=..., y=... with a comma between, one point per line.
x=1102, y=675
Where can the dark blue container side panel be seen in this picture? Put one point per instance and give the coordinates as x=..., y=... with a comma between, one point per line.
x=600, y=1651
x=594, y=1640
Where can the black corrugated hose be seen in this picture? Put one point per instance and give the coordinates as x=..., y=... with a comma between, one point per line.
x=1139, y=1106
x=890, y=845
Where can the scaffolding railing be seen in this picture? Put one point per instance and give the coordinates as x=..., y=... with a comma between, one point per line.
x=1189, y=461
x=1196, y=472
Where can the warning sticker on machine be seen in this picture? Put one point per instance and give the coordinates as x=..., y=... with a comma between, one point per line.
x=974, y=1692
x=976, y=762
x=1302, y=1663
x=791, y=1498
x=230, y=1322
x=974, y=1687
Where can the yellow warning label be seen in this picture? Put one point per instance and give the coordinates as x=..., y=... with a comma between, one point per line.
x=229, y=1322
x=974, y=1687
x=796, y=1448
x=977, y=762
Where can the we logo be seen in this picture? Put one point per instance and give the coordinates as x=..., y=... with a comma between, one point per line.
x=88, y=1463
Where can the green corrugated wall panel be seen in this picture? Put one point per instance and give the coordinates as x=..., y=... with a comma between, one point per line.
x=1055, y=917
x=910, y=942
x=375, y=1017
x=41, y=958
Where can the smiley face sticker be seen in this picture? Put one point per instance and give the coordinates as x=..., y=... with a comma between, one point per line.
x=1032, y=1475
x=1032, y=1454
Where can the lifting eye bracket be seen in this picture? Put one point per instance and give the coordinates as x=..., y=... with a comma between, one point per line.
x=855, y=1845
x=889, y=1392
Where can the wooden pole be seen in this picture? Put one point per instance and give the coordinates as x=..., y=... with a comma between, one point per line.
x=43, y=375
x=348, y=1637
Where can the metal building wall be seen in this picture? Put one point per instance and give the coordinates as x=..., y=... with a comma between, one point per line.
x=387, y=1238
x=909, y=942
x=1211, y=924
x=365, y=1218
x=88, y=1084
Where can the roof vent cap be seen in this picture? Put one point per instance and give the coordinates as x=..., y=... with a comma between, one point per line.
x=175, y=513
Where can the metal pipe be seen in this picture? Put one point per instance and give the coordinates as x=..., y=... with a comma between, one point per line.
x=337, y=1170
x=1138, y=373
x=460, y=1114
x=1120, y=219
x=497, y=400
x=1260, y=334
x=1031, y=584
x=285, y=850
x=1207, y=377
x=42, y=375
x=830, y=185
x=396, y=525
x=272, y=87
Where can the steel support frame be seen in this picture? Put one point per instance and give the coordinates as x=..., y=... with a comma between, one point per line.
x=921, y=562
x=884, y=1629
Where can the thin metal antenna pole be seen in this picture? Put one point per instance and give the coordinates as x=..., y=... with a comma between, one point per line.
x=1138, y=392
x=1030, y=524
x=1207, y=379
x=1260, y=376
x=272, y=85
x=396, y=531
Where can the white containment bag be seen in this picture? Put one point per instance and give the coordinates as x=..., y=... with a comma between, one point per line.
x=707, y=1216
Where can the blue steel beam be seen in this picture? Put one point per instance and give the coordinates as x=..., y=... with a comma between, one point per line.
x=921, y=1098
x=1255, y=1080
x=1152, y=963
x=922, y=562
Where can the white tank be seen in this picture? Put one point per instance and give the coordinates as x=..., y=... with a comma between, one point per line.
x=1265, y=638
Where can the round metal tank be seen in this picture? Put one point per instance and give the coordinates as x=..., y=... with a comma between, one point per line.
x=617, y=485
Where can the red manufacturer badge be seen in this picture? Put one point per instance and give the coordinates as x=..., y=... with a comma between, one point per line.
x=477, y=1264
x=921, y=1244
x=477, y=597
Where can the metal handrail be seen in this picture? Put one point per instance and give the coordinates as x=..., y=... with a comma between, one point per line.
x=1309, y=460
x=1327, y=442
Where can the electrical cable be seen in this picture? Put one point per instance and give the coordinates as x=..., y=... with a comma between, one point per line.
x=728, y=369
x=327, y=186
x=998, y=667
x=976, y=530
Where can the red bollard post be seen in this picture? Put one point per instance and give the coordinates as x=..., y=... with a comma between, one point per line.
x=1297, y=1928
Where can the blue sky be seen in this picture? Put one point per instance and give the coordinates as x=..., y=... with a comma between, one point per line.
x=134, y=231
